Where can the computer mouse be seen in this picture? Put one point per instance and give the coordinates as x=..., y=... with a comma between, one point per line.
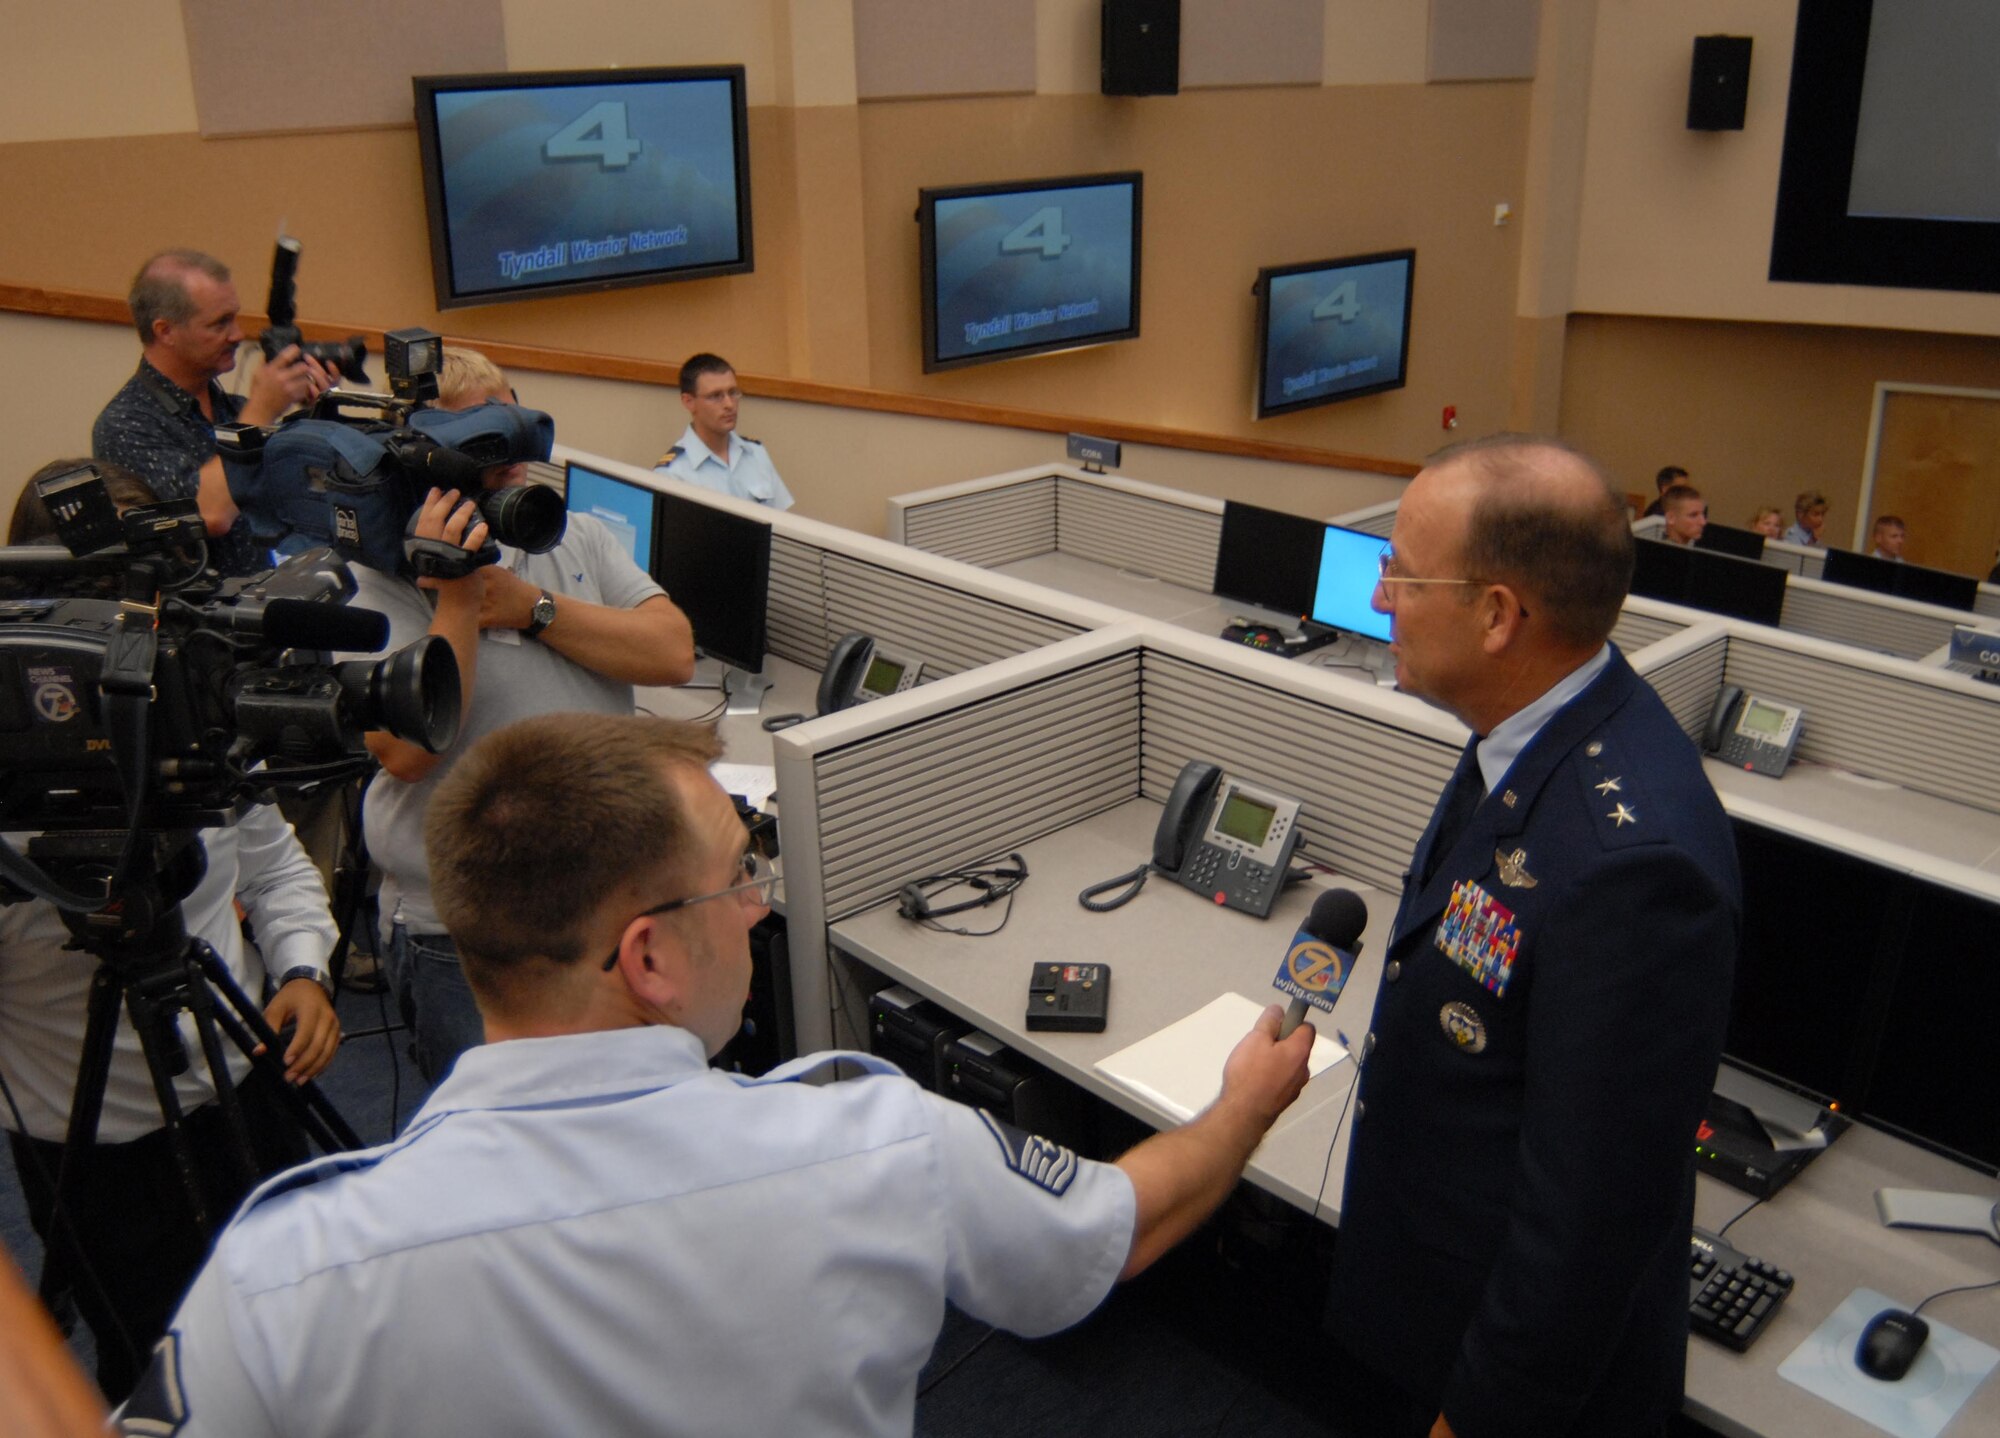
x=1890, y=1343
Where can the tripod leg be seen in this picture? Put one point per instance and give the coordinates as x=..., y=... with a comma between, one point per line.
x=159, y=1039
x=247, y=1029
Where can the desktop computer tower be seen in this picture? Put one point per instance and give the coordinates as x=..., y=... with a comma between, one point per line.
x=768, y=1037
x=911, y=1032
x=981, y=1071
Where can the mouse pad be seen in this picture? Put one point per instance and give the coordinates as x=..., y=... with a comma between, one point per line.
x=1917, y=1405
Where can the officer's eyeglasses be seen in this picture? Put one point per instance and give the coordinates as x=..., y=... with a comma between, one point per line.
x=1386, y=562
x=759, y=880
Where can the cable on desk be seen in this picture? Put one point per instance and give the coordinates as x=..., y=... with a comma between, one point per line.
x=1135, y=881
x=1746, y=1208
x=1947, y=1292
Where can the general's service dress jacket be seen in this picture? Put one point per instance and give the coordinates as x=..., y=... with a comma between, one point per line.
x=1514, y=1228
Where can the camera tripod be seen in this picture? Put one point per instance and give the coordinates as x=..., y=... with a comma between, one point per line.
x=149, y=965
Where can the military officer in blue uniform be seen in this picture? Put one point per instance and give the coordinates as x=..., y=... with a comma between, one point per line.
x=710, y=452
x=1512, y=1254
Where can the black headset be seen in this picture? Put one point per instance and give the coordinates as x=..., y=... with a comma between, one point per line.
x=916, y=899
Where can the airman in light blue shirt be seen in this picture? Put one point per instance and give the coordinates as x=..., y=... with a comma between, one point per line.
x=711, y=453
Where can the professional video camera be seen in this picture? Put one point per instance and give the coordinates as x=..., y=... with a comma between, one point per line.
x=152, y=709
x=353, y=473
x=350, y=355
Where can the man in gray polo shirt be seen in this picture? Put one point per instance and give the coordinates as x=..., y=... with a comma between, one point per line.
x=570, y=630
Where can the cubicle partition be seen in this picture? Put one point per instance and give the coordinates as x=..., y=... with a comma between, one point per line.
x=1058, y=509
x=827, y=581
x=979, y=764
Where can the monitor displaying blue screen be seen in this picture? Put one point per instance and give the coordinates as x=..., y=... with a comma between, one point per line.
x=628, y=510
x=1350, y=563
x=1029, y=267
x=1332, y=330
x=569, y=181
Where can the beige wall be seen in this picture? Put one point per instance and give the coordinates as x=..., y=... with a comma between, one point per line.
x=1622, y=217
x=1755, y=413
x=1674, y=221
x=842, y=464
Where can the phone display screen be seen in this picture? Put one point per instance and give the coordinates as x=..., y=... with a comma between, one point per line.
x=1762, y=721
x=1245, y=819
x=882, y=677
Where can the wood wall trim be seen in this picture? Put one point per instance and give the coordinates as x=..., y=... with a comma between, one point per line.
x=112, y=309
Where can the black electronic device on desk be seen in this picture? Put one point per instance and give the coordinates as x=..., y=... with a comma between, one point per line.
x=1731, y=1296
x=1226, y=839
x=1757, y=1137
x=1747, y=732
x=1069, y=998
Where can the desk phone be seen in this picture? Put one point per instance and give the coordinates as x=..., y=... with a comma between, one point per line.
x=1747, y=732
x=1227, y=840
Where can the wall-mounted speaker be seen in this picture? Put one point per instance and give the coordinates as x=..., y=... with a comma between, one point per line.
x=1141, y=47
x=1719, y=85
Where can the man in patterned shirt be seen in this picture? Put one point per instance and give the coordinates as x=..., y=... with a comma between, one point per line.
x=162, y=423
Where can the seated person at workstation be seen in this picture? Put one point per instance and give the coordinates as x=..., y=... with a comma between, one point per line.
x=1768, y=522
x=1810, y=511
x=1669, y=476
x=1686, y=514
x=571, y=629
x=587, y=1229
x=1887, y=538
x=711, y=453
x=161, y=425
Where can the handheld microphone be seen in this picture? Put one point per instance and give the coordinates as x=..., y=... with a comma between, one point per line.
x=1321, y=955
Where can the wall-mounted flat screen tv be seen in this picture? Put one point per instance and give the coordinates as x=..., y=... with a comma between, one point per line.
x=1888, y=175
x=1028, y=267
x=565, y=182
x=1332, y=330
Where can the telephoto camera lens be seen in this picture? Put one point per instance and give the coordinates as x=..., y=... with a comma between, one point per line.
x=526, y=516
x=414, y=693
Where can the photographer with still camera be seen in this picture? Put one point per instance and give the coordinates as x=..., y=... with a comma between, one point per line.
x=146, y=726
x=544, y=616
x=162, y=423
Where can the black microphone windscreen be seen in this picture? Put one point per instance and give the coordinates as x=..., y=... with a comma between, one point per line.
x=308, y=624
x=1338, y=916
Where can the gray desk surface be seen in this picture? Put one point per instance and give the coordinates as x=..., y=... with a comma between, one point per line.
x=1934, y=839
x=1171, y=952
x=794, y=690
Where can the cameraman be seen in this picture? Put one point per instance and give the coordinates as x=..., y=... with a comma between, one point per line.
x=162, y=423
x=571, y=630
x=128, y=1214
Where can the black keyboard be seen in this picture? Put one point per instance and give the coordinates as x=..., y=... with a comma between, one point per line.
x=1731, y=1296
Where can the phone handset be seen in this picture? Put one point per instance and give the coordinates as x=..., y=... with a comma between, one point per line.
x=857, y=669
x=1722, y=718
x=846, y=662
x=1187, y=807
x=1225, y=839
x=1748, y=732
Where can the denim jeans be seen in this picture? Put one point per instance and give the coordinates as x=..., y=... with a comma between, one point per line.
x=437, y=1004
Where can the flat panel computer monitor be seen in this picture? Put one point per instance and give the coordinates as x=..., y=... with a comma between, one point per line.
x=1332, y=329
x=1028, y=267
x=630, y=511
x=1907, y=581
x=716, y=565
x=1727, y=539
x=1268, y=558
x=1344, y=596
x=566, y=182
x=1702, y=579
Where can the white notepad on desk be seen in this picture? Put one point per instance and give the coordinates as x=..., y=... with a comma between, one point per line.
x=1180, y=1067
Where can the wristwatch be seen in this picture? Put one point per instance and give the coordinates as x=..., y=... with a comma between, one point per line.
x=542, y=615
x=307, y=971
